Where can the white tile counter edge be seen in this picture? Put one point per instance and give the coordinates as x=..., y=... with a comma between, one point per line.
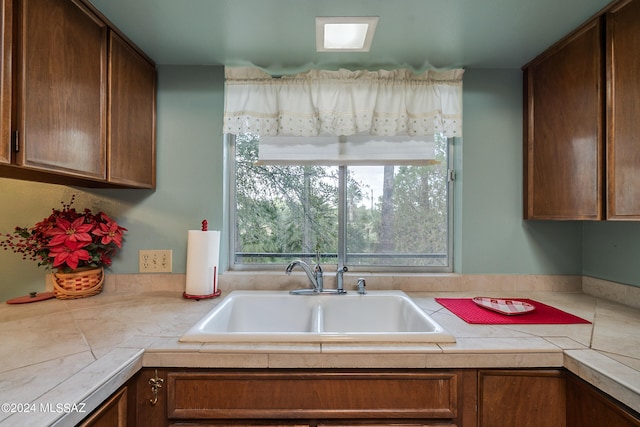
x=616, y=379
x=83, y=392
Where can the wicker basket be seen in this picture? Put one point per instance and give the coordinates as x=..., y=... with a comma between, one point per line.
x=78, y=284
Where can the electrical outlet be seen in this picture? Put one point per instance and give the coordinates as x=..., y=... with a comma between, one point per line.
x=155, y=261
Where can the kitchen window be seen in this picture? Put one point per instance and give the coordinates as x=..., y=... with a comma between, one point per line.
x=386, y=217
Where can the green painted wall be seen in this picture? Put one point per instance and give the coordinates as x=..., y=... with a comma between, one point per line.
x=491, y=237
x=611, y=251
x=495, y=238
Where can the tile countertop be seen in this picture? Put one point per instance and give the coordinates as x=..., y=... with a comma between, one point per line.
x=61, y=359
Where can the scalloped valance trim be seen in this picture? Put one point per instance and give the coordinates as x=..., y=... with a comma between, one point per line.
x=344, y=102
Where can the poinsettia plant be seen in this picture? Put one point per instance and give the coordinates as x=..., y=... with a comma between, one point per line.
x=68, y=239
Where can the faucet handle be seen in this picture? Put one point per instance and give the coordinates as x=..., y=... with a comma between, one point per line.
x=361, y=285
x=318, y=267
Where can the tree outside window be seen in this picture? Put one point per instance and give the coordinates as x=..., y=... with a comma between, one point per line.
x=395, y=216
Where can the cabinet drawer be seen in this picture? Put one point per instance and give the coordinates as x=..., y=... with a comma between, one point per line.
x=326, y=395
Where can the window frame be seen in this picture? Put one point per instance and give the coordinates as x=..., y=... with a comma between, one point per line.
x=230, y=198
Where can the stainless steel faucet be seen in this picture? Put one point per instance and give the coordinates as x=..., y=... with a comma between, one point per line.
x=316, y=279
x=315, y=276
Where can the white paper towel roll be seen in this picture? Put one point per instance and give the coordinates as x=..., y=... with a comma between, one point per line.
x=203, y=248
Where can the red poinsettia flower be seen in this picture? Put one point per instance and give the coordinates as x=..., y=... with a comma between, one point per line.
x=105, y=259
x=46, y=224
x=76, y=231
x=69, y=253
x=110, y=232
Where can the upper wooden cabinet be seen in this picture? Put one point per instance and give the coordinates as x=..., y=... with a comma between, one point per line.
x=581, y=150
x=84, y=99
x=61, y=98
x=623, y=111
x=563, y=133
x=6, y=40
x=132, y=101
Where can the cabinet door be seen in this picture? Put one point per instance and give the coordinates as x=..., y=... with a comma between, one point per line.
x=6, y=31
x=62, y=102
x=588, y=407
x=623, y=112
x=132, y=99
x=112, y=413
x=527, y=398
x=563, y=147
x=151, y=397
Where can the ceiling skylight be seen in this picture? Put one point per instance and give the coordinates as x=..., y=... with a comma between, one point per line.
x=345, y=33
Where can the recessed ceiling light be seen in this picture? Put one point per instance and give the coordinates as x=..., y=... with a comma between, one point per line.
x=345, y=33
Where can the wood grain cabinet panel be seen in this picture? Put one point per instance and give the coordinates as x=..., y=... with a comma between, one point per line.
x=112, y=413
x=295, y=395
x=300, y=397
x=61, y=95
x=77, y=99
x=589, y=407
x=382, y=424
x=623, y=111
x=523, y=398
x=132, y=107
x=581, y=144
x=6, y=40
x=563, y=142
x=150, y=406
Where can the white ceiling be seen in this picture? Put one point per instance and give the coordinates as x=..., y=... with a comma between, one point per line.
x=279, y=35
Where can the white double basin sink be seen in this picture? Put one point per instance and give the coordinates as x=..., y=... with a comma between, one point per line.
x=277, y=316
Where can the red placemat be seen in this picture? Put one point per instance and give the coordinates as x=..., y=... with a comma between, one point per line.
x=470, y=312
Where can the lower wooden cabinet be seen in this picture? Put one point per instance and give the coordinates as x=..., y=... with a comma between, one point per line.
x=368, y=398
x=112, y=413
x=523, y=398
x=589, y=407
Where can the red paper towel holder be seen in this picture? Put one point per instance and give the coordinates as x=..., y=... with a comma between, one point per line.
x=199, y=297
x=216, y=292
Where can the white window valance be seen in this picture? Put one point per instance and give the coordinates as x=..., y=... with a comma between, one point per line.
x=343, y=102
